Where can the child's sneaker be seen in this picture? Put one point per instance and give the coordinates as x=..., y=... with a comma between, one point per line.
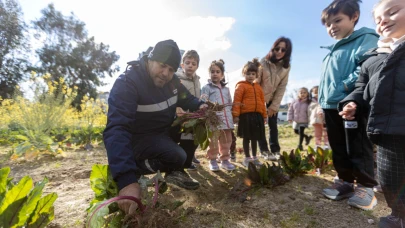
x=277, y=155
x=233, y=157
x=192, y=167
x=391, y=221
x=363, y=198
x=264, y=154
x=339, y=190
x=214, y=165
x=271, y=157
x=246, y=161
x=227, y=165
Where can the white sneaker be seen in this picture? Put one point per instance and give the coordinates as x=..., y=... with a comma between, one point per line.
x=227, y=165
x=271, y=157
x=256, y=162
x=277, y=155
x=246, y=161
x=213, y=165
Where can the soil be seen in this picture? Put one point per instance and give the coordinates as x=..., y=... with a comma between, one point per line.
x=298, y=203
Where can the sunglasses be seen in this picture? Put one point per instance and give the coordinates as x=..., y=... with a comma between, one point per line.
x=277, y=49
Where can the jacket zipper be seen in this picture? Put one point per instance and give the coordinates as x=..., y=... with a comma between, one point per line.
x=254, y=90
x=222, y=98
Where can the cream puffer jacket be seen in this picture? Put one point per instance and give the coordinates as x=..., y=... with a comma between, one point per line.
x=193, y=85
x=273, y=79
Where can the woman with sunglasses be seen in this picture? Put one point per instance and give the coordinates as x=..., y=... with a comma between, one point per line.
x=273, y=79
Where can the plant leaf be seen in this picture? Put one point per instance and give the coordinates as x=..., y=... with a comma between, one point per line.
x=102, y=183
x=44, y=211
x=31, y=203
x=13, y=201
x=3, y=182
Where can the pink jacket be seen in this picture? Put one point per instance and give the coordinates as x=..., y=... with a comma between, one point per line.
x=298, y=111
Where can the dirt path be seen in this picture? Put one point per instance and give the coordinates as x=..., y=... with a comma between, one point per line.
x=296, y=204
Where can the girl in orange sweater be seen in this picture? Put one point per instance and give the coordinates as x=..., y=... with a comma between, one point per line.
x=249, y=110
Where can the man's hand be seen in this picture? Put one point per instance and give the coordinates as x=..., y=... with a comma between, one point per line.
x=349, y=111
x=271, y=112
x=129, y=206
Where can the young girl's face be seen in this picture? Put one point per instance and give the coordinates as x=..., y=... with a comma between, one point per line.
x=216, y=74
x=250, y=76
x=315, y=92
x=302, y=94
x=390, y=18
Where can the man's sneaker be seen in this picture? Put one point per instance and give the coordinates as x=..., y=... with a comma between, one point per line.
x=233, y=157
x=182, y=179
x=339, y=190
x=195, y=160
x=363, y=198
x=192, y=167
x=225, y=164
x=256, y=162
x=308, y=139
x=214, y=165
x=391, y=221
x=246, y=161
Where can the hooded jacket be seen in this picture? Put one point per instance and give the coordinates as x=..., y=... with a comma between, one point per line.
x=221, y=95
x=192, y=84
x=341, y=66
x=298, y=111
x=137, y=108
x=380, y=92
x=248, y=97
x=273, y=79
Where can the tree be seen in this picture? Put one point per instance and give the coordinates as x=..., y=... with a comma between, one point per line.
x=69, y=53
x=13, y=62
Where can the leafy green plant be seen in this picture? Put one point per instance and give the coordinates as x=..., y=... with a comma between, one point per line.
x=271, y=175
x=203, y=123
x=321, y=158
x=103, y=210
x=22, y=204
x=296, y=164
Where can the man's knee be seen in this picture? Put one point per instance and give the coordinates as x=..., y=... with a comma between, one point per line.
x=176, y=156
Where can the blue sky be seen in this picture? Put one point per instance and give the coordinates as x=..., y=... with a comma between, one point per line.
x=235, y=31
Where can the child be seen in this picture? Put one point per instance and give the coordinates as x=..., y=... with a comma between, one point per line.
x=380, y=93
x=216, y=91
x=340, y=71
x=316, y=119
x=191, y=81
x=298, y=112
x=249, y=110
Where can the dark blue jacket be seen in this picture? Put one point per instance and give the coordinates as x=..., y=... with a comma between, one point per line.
x=137, y=108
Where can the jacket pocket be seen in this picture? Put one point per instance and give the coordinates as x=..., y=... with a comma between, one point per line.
x=336, y=93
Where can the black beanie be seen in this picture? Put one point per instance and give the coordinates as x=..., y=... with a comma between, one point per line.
x=166, y=52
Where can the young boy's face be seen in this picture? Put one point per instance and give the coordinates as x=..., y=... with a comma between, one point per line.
x=190, y=65
x=390, y=18
x=340, y=25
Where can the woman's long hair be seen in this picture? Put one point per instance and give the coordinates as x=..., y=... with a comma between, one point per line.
x=287, y=55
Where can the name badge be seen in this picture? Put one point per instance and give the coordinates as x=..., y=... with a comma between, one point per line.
x=185, y=136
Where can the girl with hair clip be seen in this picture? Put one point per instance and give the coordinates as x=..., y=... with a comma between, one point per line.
x=298, y=115
x=273, y=79
x=216, y=91
x=251, y=115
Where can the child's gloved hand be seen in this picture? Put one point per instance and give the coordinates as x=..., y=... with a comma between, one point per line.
x=349, y=110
